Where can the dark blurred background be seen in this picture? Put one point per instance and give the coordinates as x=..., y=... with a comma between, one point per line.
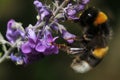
x=56, y=67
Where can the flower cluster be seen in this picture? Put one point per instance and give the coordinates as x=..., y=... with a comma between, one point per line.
x=37, y=41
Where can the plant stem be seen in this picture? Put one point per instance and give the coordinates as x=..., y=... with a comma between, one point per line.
x=60, y=7
x=7, y=52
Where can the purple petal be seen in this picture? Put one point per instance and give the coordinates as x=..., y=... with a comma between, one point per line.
x=13, y=58
x=37, y=4
x=48, y=36
x=13, y=33
x=55, y=50
x=26, y=48
x=68, y=36
x=54, y=27
x=51, y=50
x=32, y=43
x=55, y=38
x=40, y=47
x=80, y=7
x=71, y=12
x=10, y=23
x=32, y=35
x=85, y=1
x=44, y=14
x=17, y=59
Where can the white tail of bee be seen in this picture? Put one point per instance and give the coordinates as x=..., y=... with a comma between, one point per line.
x=81, y=67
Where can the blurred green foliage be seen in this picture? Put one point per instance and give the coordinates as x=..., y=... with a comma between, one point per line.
x=57, y=67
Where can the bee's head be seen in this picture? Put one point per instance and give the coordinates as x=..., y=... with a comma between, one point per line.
x=88, y=16
x=92, y=16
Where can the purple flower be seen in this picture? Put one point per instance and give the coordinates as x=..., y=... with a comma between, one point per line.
x=29, y=45
x=36, y=46
x=43, y=11
x=40, y=45
x=29, y=48
x=68, y=36
x=14, y=31
x=18, y=59
x=49, y=41
x=47, y=44
x=72, y=10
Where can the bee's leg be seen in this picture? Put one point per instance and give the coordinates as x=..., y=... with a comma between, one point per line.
x=70, y=50
x=88, y=37
x=76, y=50
x=63, y=47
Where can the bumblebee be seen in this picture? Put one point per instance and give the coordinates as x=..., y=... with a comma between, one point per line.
x=94, y=40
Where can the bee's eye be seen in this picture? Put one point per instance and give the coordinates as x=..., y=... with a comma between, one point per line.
x=90, y=15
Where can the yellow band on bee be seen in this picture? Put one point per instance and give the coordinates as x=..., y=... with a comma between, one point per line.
x=101, y=18
x=100, y=52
